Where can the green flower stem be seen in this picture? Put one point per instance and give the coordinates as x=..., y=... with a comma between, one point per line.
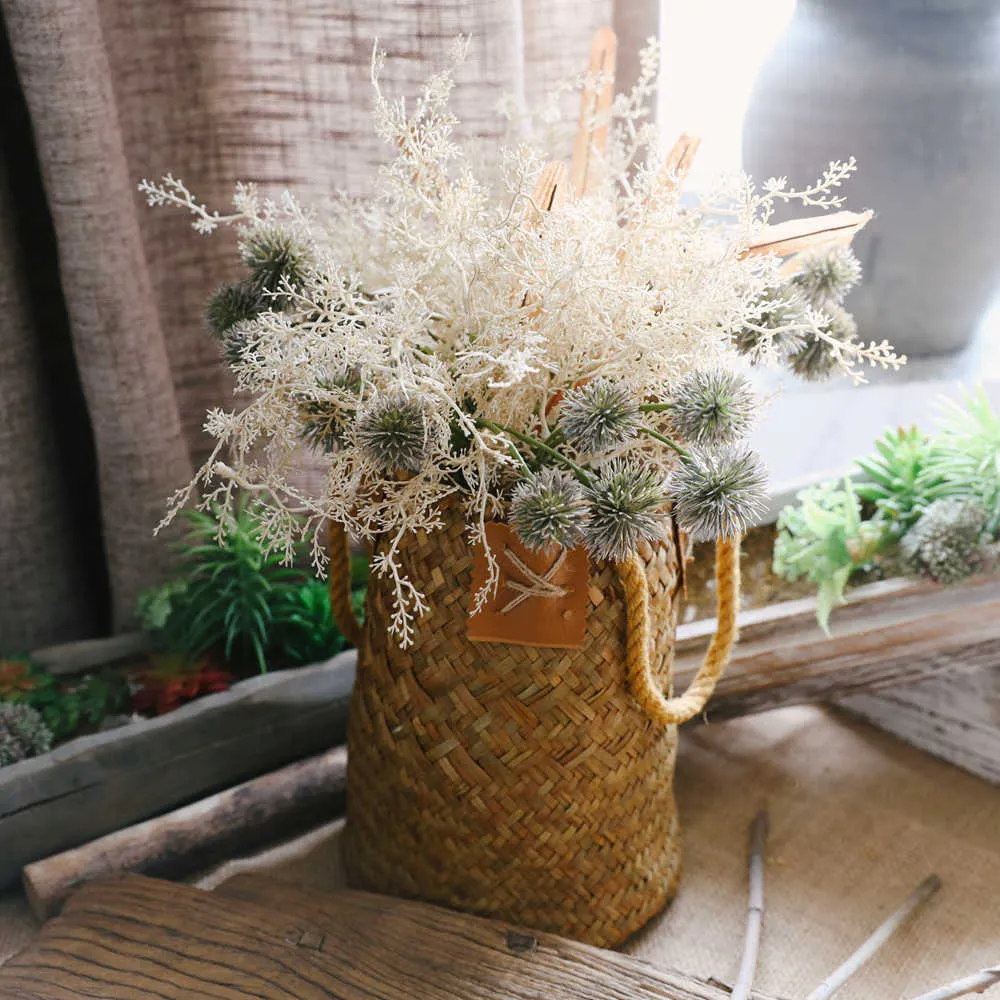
x=537, y=445
x=663, y=439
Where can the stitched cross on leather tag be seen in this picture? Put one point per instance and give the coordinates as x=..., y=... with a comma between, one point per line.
x=542, y=596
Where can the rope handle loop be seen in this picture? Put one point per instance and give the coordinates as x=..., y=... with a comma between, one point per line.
x=340, y=585
x=639, y=670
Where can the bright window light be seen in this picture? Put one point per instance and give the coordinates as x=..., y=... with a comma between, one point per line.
x=712, y=50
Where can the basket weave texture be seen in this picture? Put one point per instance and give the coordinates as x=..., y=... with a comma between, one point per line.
x=516, y=782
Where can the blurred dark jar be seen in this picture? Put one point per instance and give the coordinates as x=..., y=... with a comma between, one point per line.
x=912, y=90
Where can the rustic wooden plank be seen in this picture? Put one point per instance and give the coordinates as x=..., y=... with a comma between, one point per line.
x=956, y=717
x=74, y=657
x=272, y=941
x=893, y=633
x=94, y=785
x=233, y=822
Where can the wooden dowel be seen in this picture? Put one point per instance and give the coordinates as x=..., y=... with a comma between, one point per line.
x=551, y=188
x=755, y=906
x=239, y=819
x=863, y=955
x=797, y=235
x=978, y=982
x=592, y=134
x=679, y=161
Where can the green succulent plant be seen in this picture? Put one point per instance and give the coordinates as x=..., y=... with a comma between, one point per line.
x=895, y=477
x=68, y=704
x=23, y=733
x=931, y=507
x=964, y=459
x=823, y=538
x=947, y=544
x=233, y=595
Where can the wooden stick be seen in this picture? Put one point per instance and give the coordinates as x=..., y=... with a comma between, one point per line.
x=592, y=134
x=679, y=161
x=203, y=833
x=675, y=168
x=755, y=906
x=839, y=976
x=796, y=235
x=552, y=187
x=978, y=982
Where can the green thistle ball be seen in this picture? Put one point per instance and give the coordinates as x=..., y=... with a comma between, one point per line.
x=393, y=433
x=236, y=342
x=711, y=408
x=231, y=304
x=322, y=419
x=626, y=503
x=549, y=509
x=23, y=733
x=719, y=494
x=322, y=424
x=827, y=276
x=779, y=308
x=816, y=360
x=274, y=255
x=598, y=416
x=947, y=543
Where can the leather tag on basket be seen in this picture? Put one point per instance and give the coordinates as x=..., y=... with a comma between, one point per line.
x=541, y=599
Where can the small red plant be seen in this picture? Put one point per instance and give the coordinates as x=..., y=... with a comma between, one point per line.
x=171, y=681
x=16, y=680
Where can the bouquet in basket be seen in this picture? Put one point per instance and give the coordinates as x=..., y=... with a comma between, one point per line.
x=527, y=384
x=559, y=348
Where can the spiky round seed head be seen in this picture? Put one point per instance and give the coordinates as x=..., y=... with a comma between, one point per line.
x=548, y=509
x=322, y=424
x=273, y=254
x=393, y=432
x=598, y=416
x=23, y=733
x=780, y=308
x=626, y=505
x=712, y=408
x=947, y=543
x=816, y=360
x=719, y=494
x=238, y=344
x=232, y=304
x=322, y=419
x=827, y=276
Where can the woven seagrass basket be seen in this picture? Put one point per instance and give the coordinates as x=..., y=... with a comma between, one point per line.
x=529, y=784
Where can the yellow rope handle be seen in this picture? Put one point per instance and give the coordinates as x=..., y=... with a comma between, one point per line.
x=340, y=585
x=661, y=709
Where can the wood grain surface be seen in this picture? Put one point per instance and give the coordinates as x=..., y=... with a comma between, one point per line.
x=955, y=717
x=892, y=633
x=238, y=820
x=268, y=940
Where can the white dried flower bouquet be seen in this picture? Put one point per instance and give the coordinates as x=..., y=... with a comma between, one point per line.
x=477, y=332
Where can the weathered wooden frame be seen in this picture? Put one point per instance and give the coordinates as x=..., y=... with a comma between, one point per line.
x=896, y=632
x=96, y=784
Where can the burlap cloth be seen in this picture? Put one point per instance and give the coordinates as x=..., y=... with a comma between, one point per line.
x=857, y=821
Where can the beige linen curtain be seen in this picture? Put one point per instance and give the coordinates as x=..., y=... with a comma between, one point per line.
x=105, y=371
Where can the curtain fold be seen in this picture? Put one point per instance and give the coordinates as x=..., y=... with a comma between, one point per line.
x=64, y=72
x=213, y=91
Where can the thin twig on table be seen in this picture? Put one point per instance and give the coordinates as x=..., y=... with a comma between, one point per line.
x=979, y=982
x=755, y=906
x=832, y=984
